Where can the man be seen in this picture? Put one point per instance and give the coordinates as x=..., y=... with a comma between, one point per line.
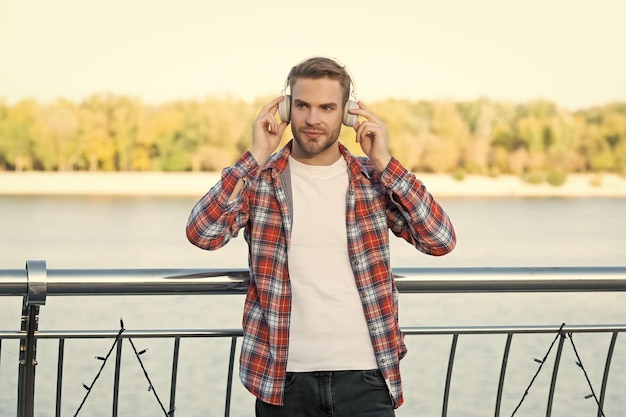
x=320, y=322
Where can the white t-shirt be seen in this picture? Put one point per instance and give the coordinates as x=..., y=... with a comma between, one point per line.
x=328, y=330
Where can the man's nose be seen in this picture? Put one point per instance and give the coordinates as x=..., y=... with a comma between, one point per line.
x=312, y=117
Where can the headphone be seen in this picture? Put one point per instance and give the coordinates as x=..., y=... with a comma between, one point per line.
x=284, y=107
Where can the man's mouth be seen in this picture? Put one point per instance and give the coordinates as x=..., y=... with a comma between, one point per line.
x=313, y=134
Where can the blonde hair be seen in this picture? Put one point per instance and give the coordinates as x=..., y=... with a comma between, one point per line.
x=322, y=67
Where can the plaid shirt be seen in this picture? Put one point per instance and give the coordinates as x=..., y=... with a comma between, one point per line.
x=393, y=200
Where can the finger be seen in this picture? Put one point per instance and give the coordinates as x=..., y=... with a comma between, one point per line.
x=274, y=127
x=366, y=129
x=281, y=128
x=270, y=124
x=364, y=112
x=272, y=106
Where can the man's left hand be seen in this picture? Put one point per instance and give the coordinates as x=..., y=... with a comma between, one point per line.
x=371, y=134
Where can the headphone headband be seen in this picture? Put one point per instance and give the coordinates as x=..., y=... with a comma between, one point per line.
x=351, y=93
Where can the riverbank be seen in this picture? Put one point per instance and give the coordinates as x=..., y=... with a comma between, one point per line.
x=196, y=184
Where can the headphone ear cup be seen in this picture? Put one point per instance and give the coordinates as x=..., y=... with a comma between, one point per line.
x=350, y=119
x=284, y=109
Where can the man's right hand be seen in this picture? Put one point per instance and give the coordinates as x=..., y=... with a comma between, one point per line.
x=267, y=131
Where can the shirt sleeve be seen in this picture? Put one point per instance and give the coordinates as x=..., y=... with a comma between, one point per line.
x=414, y=215
x=215, y=219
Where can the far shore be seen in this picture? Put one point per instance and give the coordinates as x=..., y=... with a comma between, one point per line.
x=196, y=184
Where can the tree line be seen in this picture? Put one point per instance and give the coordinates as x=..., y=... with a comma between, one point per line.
x=536, y=140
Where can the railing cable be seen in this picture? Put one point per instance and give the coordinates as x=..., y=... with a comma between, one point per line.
x=104, y=360
x=145, y=372
x=579, y=362
x=541, y=362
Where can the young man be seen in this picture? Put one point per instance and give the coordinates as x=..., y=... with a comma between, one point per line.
x=320, y=321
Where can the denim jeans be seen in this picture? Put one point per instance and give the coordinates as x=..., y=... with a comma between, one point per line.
x=332, y=393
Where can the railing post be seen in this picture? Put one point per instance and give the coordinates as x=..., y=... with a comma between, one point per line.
x=555, y=372
x=35, y=297
x=446, y=393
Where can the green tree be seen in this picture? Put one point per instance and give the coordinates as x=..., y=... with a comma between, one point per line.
x=228, y=133
x=405, y=122
x=124, y=121
x=16, y=135
x=614, y=132
x=164, y=125
x=98, y=145
x=57, y=143
x=479, y=118
x=448, y=146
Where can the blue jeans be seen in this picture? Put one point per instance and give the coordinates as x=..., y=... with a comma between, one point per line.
x=332, y=393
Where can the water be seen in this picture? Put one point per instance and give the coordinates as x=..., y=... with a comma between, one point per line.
x=148, y=232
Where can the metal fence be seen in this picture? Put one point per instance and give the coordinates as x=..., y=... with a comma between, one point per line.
x=35, y=283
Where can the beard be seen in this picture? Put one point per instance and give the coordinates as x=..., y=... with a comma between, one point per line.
x=311, y=147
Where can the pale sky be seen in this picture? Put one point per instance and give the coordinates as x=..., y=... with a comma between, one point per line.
x=572, y=52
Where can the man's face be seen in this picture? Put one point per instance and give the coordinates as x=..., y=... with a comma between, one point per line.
x=316, y=117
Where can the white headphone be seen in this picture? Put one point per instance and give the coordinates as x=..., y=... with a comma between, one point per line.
x=284, y=107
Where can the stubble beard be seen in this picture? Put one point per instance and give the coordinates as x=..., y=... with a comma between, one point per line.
x=313, y=148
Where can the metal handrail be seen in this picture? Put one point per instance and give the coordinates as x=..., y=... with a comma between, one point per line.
x=68, y=282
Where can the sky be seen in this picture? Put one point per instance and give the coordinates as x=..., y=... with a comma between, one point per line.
x=571, y=52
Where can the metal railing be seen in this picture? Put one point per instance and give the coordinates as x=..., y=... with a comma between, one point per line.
x=35, y=283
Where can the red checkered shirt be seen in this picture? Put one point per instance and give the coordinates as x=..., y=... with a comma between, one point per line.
x=375, y=203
